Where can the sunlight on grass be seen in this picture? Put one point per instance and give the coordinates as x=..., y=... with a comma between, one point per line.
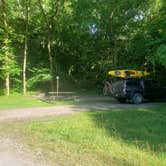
x=134, y=137
x=19, y=101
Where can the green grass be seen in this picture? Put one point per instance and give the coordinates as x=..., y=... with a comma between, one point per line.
x=19, y=101
x=114, y=137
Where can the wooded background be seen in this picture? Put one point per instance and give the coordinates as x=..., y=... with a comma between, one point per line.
x=78, y=40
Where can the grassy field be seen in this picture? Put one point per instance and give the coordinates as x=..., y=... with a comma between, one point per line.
x=19, y=101
x=114, y=137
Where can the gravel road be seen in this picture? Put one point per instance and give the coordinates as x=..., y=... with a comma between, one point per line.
x=13, y=153
x=22, y=114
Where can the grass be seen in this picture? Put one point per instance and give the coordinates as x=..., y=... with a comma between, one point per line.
x=114, y=137
x=19, y=101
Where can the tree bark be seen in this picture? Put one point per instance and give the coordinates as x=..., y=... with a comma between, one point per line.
x=50, y=60
x=25, y=46
x=24, y=66
x=7, y=74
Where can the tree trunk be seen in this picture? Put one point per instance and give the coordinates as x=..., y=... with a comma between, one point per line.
x=7, y=84
x=24, y=66
x=7, y=74
x=49, y=41
x=50, y=60
x=25, y=46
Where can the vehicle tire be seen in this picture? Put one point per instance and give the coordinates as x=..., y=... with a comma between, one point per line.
x=137, y=98
x=121, y=100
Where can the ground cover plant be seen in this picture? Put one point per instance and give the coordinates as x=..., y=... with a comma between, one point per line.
x=19, y=101
x=112, y=137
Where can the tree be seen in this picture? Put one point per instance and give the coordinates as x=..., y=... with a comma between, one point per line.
x=81, y=40
x=50, y=19
x=6, y=50
x=26, y=21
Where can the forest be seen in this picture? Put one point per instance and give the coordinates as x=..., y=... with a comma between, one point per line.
x=79, y=41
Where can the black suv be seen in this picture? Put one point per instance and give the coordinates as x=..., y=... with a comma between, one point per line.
x=137, y=90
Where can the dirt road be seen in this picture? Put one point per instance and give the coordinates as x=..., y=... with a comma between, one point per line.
x=39, y=112
x=13, y=153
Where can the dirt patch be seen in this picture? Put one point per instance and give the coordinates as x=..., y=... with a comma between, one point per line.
x=13, y=153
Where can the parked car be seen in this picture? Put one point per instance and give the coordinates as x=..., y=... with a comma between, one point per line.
x=136, y=90
x=133, y=85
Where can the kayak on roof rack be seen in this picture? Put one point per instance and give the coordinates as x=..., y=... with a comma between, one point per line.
x=128, y=73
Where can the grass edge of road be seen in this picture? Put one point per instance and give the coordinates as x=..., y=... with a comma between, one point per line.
x=20, y=101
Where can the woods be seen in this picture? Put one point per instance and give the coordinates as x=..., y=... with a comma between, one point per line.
x=78, y=40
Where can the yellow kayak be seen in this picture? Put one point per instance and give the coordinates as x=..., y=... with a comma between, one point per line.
x=128, y=73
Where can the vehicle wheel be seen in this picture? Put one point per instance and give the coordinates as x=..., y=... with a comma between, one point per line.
x=137, y=98
x=121, y=100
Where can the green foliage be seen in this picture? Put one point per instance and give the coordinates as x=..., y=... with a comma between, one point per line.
x=127, y=34
x=161, y=55
x=39, y=76
x=9, y=65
